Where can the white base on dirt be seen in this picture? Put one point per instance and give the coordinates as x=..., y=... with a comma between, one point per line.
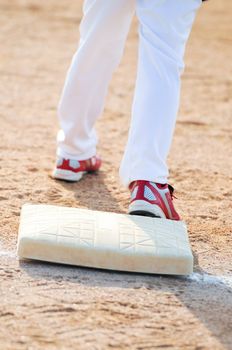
x=104, y=240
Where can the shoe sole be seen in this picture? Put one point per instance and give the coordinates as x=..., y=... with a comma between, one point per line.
x=143, y=208
x=66, y=175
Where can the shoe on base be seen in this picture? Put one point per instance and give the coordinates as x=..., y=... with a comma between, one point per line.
x=73, y=170
x=152, y=199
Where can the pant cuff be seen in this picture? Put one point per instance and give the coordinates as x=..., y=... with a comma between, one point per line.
x=83, y=156
x=158, y=179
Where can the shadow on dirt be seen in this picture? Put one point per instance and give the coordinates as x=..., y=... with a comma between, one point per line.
x=92, y=192
x=208, y=298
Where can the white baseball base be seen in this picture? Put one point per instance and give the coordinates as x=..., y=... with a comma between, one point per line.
x=104, y=240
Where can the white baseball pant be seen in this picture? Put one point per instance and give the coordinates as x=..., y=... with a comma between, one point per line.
x=164, y=27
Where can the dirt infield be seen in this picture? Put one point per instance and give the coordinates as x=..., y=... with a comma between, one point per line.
x=46, y=306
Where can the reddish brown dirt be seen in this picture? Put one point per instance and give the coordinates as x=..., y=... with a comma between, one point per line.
x=55, y=307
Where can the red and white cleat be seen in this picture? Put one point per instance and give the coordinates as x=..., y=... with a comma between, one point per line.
x=152, y=199
x=73, y=170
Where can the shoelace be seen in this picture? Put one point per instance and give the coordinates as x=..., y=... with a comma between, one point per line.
x=171, y=190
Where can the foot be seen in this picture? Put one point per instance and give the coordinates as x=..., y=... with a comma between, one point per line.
x=73, y=170
x=152, y=199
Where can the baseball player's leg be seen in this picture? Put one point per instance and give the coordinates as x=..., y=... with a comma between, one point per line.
x=165, y=26
x=103, y=31
x=164, y=29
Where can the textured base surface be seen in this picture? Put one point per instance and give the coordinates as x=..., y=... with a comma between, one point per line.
x=104, y=240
